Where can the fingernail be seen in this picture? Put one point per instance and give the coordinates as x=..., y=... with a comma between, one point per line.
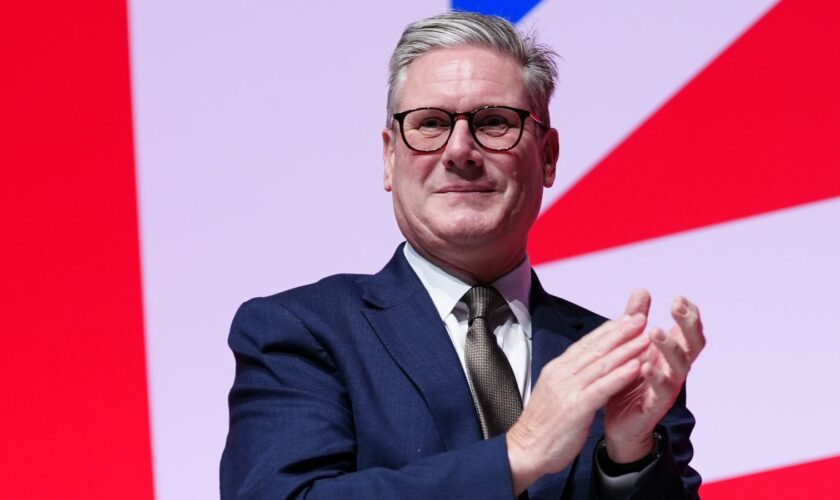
x=659, y=335
x=682, y=310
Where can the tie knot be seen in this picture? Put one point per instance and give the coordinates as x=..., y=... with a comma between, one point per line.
x=482, y=301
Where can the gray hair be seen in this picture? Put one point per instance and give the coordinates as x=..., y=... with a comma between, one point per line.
x=454, y=29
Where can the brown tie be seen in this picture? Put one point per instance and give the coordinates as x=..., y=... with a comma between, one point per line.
x=492, y=382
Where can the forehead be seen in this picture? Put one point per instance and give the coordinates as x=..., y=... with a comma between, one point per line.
x=463, y=78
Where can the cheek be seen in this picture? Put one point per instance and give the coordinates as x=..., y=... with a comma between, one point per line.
x=410, y=179
x=413, y=170
x=525, y=187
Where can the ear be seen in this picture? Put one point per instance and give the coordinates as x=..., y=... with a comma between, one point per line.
x=550, y=151
x=388, y=152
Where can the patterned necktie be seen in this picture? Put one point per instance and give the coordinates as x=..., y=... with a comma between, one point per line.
x=492, y=382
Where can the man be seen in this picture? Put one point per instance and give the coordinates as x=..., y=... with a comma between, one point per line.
x=451, y=373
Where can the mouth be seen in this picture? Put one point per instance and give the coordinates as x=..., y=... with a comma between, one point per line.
x=467, y=189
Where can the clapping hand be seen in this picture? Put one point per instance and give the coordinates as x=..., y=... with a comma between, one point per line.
x=632, y=413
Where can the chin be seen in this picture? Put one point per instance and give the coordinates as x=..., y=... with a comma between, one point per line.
x=470, y=234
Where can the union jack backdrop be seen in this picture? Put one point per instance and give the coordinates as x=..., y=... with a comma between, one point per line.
x=163, y=161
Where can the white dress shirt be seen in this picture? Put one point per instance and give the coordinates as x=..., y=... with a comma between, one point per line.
x=513, y=336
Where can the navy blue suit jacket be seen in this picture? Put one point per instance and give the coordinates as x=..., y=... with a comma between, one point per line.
x=351, y=388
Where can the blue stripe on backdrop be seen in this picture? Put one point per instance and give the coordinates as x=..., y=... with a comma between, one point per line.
x=513, y=10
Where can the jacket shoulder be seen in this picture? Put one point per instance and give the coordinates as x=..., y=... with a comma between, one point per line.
x=332, y=292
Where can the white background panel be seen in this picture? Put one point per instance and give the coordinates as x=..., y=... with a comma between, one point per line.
x=764, y=390
x=246, y=187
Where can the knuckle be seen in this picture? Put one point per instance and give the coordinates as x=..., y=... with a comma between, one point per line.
x=591, y=348
x=694, y=320
x=573, y=352
x=584, y=344
x=602, y=368
x=660, y=378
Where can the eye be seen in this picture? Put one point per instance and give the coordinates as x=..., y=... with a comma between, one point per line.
x=433, y=123
x=495, y=121
x=427, y=122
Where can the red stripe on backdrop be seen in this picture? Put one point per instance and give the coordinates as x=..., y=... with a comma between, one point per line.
x=755, y=131
x=811, y=480
x=74, y=408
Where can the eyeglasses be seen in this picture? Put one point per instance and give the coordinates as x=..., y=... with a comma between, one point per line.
x=497, y=128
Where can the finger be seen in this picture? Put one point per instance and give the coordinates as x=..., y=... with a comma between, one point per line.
x=601, y=341
x=677, y=333
x=651, y=355
x=602, y=389
x=639, y=302
x=687, y=316
x=660, y=383
x=677, y=360
x=614, y=359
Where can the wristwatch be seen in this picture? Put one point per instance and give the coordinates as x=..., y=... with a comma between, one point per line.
x=614, y=469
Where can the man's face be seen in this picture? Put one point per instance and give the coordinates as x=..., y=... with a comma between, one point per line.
x=464, y=197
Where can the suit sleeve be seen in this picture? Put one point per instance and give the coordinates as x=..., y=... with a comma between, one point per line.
x=669, y=477
x=292, y=429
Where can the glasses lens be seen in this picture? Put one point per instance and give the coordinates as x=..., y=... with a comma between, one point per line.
x=497, y=128
x=426, y=129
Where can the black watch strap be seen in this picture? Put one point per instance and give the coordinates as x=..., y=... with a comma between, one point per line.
x=614, y=469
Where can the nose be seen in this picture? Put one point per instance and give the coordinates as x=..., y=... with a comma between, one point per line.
x=461, y=152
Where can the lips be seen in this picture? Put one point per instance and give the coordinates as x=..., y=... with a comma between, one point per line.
x=467, y=188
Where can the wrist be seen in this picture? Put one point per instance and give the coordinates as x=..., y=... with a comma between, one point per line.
x=524, y=469
x=623, y=451
x=615, y=469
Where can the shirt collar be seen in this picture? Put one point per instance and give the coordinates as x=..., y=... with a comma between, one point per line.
x=446, y=290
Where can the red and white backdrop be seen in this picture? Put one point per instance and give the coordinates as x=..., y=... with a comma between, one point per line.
x=164, y=161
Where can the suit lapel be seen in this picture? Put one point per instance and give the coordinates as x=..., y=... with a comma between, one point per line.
x=403, y=316
x=552, y=333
